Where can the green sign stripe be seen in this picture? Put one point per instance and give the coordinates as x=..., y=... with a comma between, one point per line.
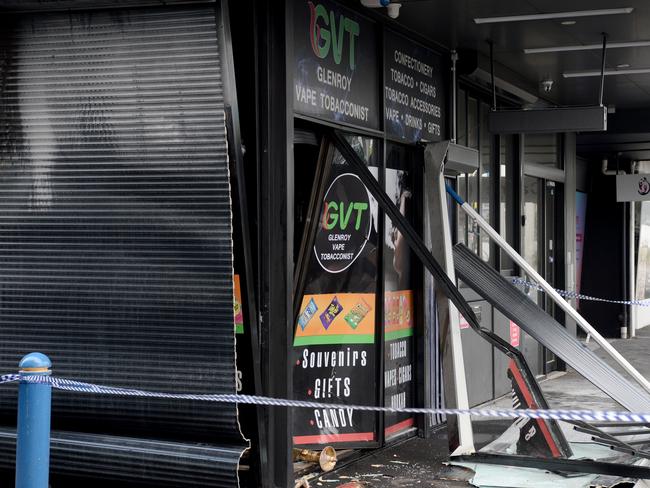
x=239, y=328
x=398, y=334
x=334, y=339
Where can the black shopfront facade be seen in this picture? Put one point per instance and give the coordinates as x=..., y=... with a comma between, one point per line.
x=341, y=297
x=166, y=163
x=178, y=211
x=355, y=304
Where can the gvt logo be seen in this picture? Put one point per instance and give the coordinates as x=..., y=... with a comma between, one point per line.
x=327, y=33
x=345, y=223
x=340, y=213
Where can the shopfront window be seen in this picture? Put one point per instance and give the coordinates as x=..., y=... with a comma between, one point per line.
x=472, y=123
x=643, y=251
x=334, y=344
x=461, y=182
x=476, y=187
x=472, y=178
x=543, y=149
x=401, y=278
x=532, y=209
x=642, y=238
x=461, y=118
x=485, y=185
x=507, y=185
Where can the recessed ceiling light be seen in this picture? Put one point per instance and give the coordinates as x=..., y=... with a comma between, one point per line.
x=586, y=47
x=554, y=15
x=582, y=74
x=622, y=66
x=568, y=22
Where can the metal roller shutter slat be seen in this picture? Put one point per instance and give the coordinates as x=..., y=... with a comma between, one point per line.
x=116, y=242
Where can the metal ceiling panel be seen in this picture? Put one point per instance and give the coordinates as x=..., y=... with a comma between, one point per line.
x=116, y=250
x=450, y=22
x=54, y=5
x=548, y=120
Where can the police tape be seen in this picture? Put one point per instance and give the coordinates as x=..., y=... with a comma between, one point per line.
x=507, y=413
x=579, y=296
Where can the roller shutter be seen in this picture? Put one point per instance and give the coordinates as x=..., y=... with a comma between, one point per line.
x=115, y=238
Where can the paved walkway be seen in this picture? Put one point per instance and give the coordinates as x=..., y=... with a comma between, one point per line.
x=419, y=462
x=571, y=390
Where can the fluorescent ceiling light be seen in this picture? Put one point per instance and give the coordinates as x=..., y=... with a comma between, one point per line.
x=582, y=74
x=553, y=15
x=585, y=47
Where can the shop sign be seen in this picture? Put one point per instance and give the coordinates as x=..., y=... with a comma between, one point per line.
x=515, y=334
x=463, y=324
x=237, y=306
x=335, y=363
x=335, y=65
x=413, y=92
x=399, y=302
x=335, y=318
x=632, y=188
x=398, y=358
x=345, y=224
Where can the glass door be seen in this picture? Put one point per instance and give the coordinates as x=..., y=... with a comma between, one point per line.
x=402, y=291
x=541, y=236
x=551, y=240
x=335, y=346
x=533, y=252
x=358, y=333
x=642, y=231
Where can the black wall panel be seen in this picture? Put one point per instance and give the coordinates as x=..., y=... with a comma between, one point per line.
x=602, y=261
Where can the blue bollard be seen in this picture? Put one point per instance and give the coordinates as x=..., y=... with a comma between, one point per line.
x=33, y=435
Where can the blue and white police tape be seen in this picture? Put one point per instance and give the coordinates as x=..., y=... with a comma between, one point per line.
x=550, y=414
x=573, y=294
x=9, y=378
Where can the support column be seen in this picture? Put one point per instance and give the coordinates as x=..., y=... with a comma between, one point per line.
x=438, y=231
x=570, y=221
x=275, y=221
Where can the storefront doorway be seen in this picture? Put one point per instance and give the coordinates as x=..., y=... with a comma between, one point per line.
x=541, y=238
x=360, y=295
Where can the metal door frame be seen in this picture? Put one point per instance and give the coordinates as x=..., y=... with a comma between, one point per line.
x=274, y=53
x=546, y=175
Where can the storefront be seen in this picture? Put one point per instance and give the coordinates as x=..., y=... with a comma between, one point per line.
x=220, y=120
x=359, y=323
